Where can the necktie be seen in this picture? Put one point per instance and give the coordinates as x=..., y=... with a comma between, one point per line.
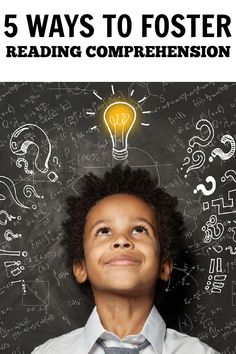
x=118, y=350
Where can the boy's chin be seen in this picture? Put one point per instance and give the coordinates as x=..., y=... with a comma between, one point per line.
x=130, y=289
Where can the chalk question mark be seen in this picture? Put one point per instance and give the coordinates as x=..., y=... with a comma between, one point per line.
x=202, y=141
x=56, y=161
x=199, y=158
x=7, y=217
x=9, y=235
x=229, y=175
x=32, y=134
x=226, y=139
x=186, y=162
x=27, y=135
x=203, y=189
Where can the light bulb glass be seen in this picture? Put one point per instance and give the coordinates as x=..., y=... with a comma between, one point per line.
x=119, y=118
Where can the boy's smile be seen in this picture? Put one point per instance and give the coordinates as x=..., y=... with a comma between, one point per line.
x=123, y=259
x=121, y=247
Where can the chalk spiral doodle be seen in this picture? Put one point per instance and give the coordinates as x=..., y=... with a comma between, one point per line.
x=213, y=229
x=29, y=190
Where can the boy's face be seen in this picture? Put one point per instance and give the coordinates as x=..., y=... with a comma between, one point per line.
x=121, y=247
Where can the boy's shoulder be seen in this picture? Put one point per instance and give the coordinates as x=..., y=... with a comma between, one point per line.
x=61, y=344
x=181, y=342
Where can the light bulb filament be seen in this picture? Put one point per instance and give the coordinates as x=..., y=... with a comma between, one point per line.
x=120, y=119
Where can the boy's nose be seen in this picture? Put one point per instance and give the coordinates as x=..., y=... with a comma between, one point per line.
x=122, y=242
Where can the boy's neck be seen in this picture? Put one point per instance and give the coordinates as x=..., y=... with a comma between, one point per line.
x=123, y=315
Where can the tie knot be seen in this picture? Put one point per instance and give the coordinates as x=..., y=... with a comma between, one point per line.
x=122, y=350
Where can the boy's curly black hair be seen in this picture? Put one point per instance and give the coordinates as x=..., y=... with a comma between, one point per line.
x=119, y=179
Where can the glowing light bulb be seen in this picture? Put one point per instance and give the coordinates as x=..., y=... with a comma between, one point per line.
x=119, y=118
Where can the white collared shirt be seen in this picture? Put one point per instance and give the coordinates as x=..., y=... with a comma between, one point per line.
x=162, y=340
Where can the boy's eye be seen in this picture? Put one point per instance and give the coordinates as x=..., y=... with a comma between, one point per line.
x=139, y=229
x=103, y=231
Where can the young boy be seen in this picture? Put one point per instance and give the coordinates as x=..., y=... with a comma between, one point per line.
x=120, y=238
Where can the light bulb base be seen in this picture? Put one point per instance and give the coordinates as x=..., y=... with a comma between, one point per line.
x=120, y=154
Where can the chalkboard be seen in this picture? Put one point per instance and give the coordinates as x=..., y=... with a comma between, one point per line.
x=51, y=135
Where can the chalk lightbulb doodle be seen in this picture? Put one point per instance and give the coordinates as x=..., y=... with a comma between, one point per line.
x=119, y=118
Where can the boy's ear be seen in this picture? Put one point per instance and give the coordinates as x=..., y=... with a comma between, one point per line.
x=79, y=271
x=166, y=269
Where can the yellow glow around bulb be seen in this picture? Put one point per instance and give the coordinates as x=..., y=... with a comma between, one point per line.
x=119, y=118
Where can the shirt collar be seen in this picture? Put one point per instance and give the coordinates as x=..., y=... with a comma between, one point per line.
x=92, y=330
x=153, y=330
